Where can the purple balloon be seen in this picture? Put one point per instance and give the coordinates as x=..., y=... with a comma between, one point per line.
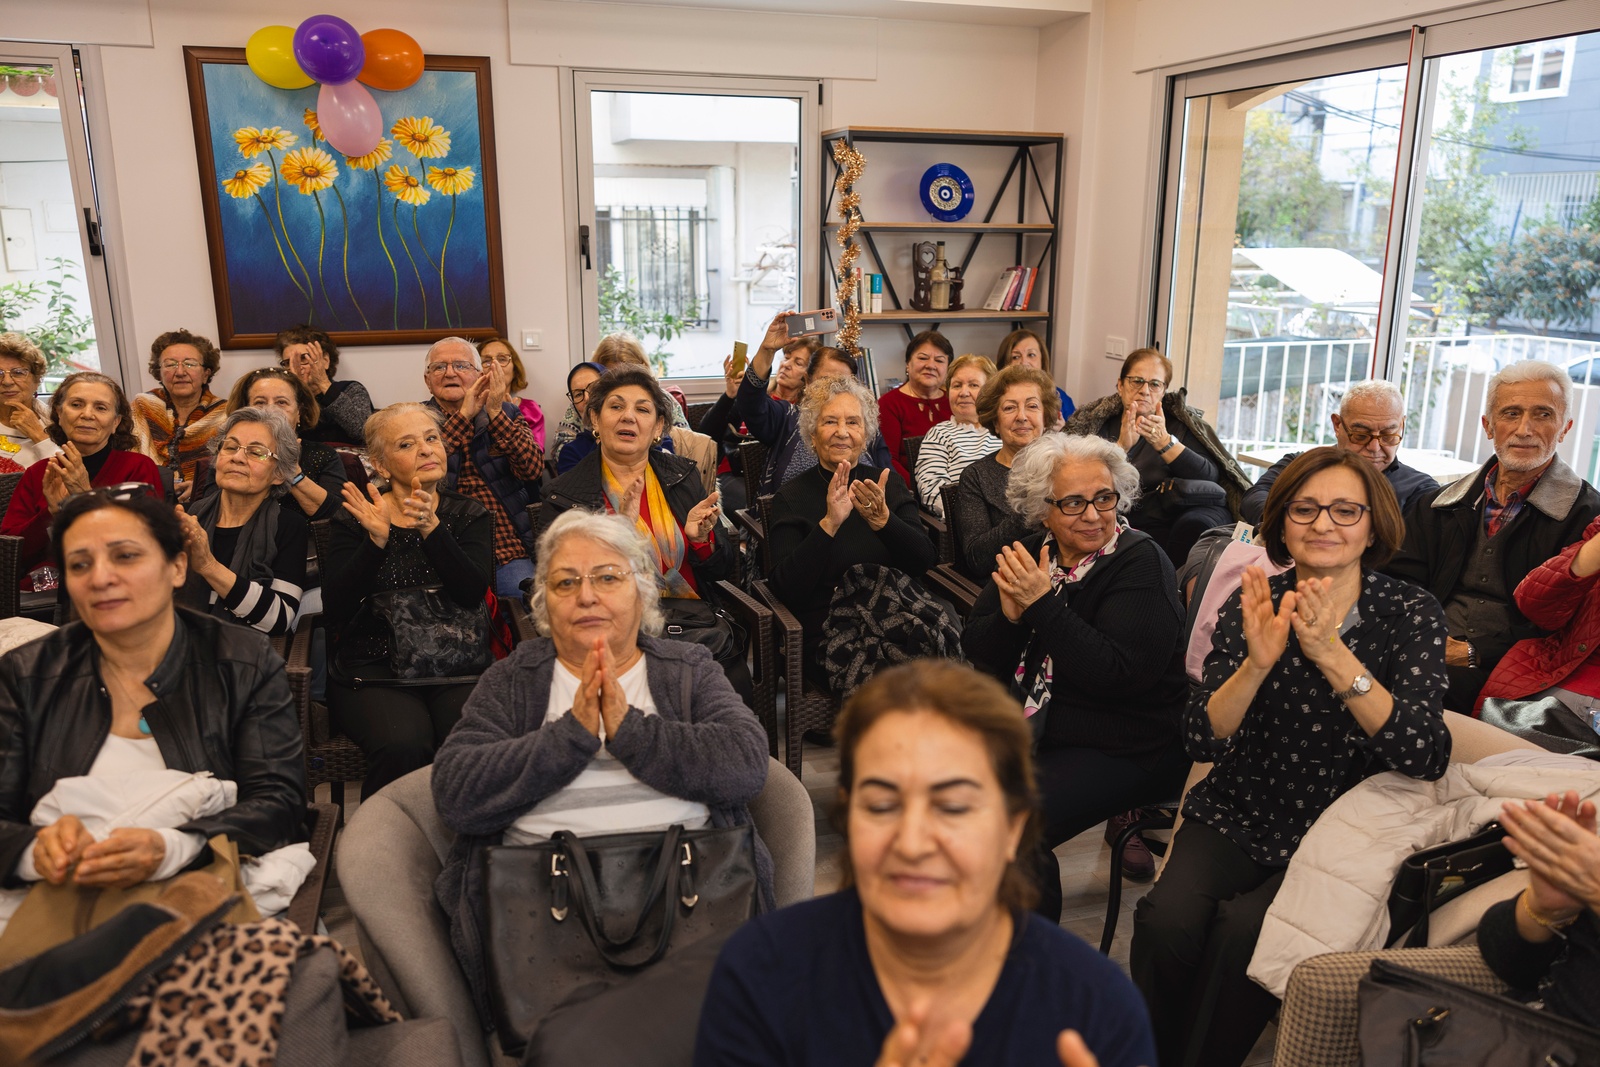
x=329, y=49
x=349, y=118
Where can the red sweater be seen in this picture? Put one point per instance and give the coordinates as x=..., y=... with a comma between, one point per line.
x=901, y=416
x=28, y=515
x=1553, y=599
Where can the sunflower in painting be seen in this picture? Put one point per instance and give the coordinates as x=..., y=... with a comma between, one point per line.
x=313, y=125
x=450, y=180
x=245, y=181
x=422, y=137
x=406, y=187
x=309, y=169
x=371, y=160
x=252, y=141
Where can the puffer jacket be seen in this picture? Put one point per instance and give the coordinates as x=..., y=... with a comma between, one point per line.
x=1552, y=599
x=222, y=705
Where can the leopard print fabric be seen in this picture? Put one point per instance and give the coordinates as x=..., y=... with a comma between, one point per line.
x=221, y=1003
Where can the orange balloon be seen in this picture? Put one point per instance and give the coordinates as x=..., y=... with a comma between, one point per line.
x=394, y=60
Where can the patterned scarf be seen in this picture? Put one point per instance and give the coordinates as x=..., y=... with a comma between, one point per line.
x=1037, y=691
x=661, y=529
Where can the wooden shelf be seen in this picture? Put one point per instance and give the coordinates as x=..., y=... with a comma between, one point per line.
x=969, y=315
x=952, y=227
x=908, y=134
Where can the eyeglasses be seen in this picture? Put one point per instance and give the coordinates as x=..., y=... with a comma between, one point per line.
x=1156, y=385
x=1342, y=512
x=255, y=452
x=188, y=364
x=502, y=360
x=122, y=490
x=603, y=579
x=1361, y=437
x=17, y=374
x=1075, y=505
x=459, y=366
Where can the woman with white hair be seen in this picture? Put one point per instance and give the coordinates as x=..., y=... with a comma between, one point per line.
x=414, y=538
x=600, y=726
x=1082, y=619
x=843, y=513
x=247, y=556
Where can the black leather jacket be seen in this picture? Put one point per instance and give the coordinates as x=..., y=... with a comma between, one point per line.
x=222, y=705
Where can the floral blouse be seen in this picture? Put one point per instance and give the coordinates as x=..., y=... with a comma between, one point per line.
x=1299, y=748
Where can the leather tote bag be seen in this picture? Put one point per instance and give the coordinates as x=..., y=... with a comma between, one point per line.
x=1433, y=876
x=571, y=914
x=431, y=639
x=1409, y=1019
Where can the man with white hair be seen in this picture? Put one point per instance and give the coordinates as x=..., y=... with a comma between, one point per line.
x=492, y=454
x=1471, y=543
x=1370, y=422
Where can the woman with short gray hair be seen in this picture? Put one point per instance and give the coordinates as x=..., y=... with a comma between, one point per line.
x=247, y=556
x=1082, y=620
x=843, y=513
x=597, y=727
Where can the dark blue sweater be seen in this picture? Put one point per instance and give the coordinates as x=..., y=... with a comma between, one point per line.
x=796, y=987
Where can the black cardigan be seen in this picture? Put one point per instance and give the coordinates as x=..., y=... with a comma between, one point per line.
x=807, y=563
x=1116, y=641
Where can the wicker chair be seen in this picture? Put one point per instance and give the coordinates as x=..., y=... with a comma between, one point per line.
x=322, y=823
x=8, y=486
x=330, y=757
x=753, y=458
x=10, y=577
x=696, y=412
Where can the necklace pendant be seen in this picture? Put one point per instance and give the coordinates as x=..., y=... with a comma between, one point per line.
x=144, y=727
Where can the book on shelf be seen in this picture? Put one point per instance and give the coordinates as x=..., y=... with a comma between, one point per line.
x=875, y=303
x=1002, y=288
x=1027, y=292
x=1010, y=301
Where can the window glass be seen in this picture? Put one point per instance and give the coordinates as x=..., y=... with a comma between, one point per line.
x=1283, y=210
x=1506, y=261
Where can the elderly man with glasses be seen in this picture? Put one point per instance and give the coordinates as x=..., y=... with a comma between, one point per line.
x=1471, y=543
x=1370, y=422
x=492, y=454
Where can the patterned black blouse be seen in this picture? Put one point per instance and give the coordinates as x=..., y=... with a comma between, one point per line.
x=1299, y=748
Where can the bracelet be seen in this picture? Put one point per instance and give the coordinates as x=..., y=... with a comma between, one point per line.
x=1549, y=922
x=297, y=479
x=1472, y=654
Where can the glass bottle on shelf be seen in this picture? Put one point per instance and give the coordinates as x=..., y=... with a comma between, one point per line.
x=939, y=279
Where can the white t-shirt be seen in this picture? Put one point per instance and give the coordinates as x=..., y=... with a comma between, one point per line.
x=605, y=798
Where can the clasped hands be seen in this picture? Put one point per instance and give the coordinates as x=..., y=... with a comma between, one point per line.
x=1149, y=424
x=869, y=498
x=491, y=389
x=64, y=475
x=1020, y=579
x=1308, y=608
x=600, y=698
x=65, y=851
x=917, y=1042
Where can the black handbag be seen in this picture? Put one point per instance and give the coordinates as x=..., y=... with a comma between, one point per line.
x=698, y=622
x=1176, y=495
x=569, y=914
x=430, y=638
x=1409, y=1019
x=1433, y=876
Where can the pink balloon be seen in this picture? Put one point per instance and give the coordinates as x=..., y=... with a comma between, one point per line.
x=349, y=118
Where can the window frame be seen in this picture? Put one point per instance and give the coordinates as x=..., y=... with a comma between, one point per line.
x=1500, y=90
x=583, y=289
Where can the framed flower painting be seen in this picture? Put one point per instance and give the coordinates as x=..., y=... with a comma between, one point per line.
x=400, y=245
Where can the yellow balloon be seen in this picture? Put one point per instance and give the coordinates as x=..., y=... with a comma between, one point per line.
x=270, y=53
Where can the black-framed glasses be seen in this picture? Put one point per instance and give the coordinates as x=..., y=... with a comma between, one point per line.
x=605, y=580
x=1075, y=505
x=1361, y=437
x=1342, y=512
x=1139, y=384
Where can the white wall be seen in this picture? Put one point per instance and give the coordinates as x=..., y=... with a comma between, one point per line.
x=924, y=75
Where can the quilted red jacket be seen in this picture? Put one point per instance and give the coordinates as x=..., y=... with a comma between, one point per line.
x=1552, y=599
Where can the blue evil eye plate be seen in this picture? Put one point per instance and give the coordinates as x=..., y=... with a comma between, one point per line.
x=946, y=192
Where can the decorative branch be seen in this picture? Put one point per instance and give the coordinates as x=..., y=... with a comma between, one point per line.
x=851, y=163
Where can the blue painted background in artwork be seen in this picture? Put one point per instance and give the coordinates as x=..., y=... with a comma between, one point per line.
x=263, y=296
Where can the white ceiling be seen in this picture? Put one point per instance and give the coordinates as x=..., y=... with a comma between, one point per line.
x=989, y=12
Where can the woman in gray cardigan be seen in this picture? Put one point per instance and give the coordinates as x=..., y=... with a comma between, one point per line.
x=597, y=728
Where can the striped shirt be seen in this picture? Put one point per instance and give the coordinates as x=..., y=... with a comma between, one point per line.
x=267, y=606
x=605, y=798
x=946, y=451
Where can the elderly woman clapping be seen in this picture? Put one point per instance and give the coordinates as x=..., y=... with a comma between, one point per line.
x=247, y=556
x=1082, y=619
x=598, y=727
x=844, y=513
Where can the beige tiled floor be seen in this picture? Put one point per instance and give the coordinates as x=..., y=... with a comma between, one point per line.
x=1085, y=873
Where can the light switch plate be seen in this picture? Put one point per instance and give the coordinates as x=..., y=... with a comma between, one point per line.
x=532, y=340
x=1116, y=347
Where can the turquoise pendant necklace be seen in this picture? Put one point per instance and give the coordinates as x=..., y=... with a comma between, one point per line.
x=144, y=727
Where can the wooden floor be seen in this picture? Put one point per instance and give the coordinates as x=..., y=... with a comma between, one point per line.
x=1085, y=873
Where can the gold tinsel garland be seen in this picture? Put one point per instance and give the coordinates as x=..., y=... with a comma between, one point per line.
x=851, y=164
